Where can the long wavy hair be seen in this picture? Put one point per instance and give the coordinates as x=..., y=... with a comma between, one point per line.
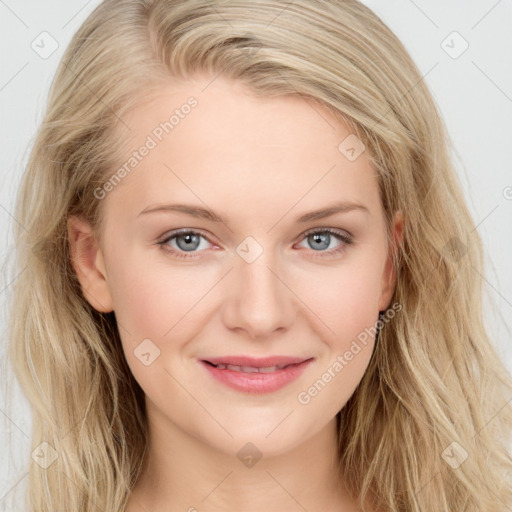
x=429, y=426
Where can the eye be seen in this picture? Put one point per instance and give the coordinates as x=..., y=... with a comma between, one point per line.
x=184, y=241
x=321, y=239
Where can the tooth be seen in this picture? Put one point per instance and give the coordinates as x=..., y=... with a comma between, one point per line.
x=249, y=369
x=268, y=369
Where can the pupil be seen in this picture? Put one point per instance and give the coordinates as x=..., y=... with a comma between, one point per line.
x=321, y=237
x=189, y=241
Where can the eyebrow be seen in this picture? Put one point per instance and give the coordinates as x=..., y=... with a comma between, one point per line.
x=203, y=213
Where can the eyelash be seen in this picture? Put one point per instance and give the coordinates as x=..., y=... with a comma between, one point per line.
x=343, y=237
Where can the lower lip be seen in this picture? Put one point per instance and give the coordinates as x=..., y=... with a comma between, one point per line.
x=258, y=383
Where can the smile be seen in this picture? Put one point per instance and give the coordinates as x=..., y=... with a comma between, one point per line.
x=256, y=379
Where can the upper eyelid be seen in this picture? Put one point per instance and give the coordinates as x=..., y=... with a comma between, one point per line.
x=321, y=230
x=171, y=234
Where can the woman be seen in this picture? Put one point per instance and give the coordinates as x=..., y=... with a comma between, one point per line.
x=251, y=273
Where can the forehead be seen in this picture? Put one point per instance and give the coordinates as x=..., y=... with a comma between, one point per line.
x=212, y=140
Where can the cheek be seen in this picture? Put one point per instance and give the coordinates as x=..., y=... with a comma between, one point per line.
x=157, y=312
x=152, y=300
x=346, y=311
x=344, y=299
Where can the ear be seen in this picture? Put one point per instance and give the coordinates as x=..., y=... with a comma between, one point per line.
x=87, y=260
x=388, y=282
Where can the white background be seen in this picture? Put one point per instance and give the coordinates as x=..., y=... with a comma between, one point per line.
x=473, y=91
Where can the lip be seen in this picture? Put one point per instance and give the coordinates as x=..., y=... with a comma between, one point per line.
x=255, y=382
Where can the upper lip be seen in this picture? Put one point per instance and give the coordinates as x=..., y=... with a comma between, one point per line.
x=256, y=362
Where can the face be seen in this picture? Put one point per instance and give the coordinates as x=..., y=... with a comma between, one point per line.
x=242, y=268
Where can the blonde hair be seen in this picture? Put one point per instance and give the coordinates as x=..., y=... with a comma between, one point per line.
x=435, y=390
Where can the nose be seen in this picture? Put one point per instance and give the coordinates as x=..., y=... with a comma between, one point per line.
x=259, y=299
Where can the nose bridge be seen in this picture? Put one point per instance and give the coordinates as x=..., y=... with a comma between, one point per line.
x=261, y=302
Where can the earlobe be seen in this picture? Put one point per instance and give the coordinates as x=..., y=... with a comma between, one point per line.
x=389, y=276
x=87, y=260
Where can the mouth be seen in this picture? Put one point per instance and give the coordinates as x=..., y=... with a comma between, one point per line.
x=256, y=375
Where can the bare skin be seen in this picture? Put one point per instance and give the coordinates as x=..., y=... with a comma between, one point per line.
x=260, y=163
